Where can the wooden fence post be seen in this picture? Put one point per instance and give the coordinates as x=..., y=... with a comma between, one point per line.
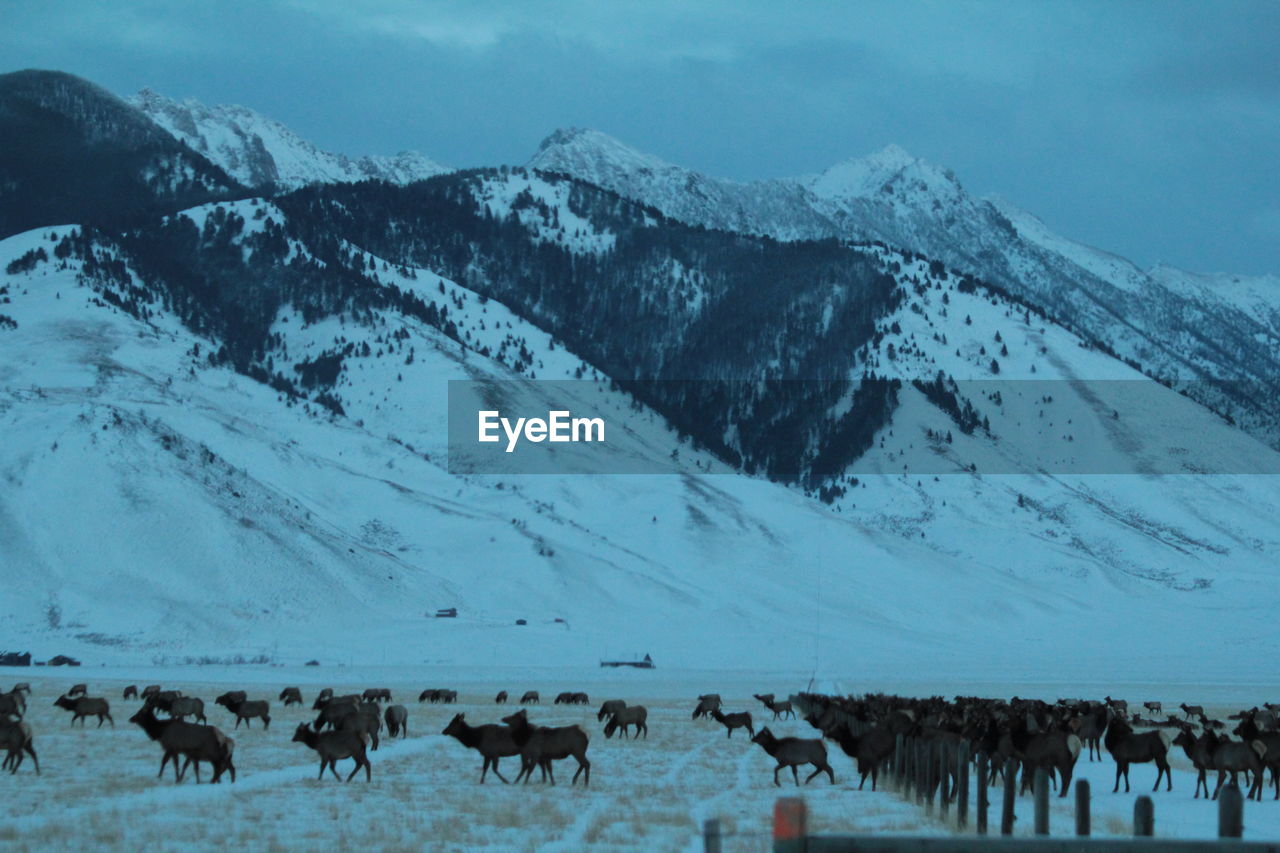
x=1082, y=807
x=1230, y=812
x=790, y=825
x=1144, y=817
x=962, y=786
x=983, y=801
x=711, y=835
x=1042, y=801
x=1010, y=791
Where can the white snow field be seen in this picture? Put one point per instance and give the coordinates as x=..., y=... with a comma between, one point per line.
x=98, y=787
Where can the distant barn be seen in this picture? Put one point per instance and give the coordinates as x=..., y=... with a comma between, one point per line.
x=447, y=613
x=644, y=663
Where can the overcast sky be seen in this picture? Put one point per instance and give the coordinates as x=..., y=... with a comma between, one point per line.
x=1151, y=129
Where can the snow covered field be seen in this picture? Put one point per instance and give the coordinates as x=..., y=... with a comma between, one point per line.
x=98, y=787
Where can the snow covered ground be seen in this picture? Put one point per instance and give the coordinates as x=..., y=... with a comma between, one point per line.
x=98, y=787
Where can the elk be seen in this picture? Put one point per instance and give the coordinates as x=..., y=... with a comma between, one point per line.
x=245, y=710
x=362, y=718
x=323, y=697
x=779, y=709
x=741, y=719
x=706, y=706
x=130, y=692
x=11, y=704
x=632, y=715
x=1052, y=750
x=83, y=707
x=1092, y=724
x=530, y=697
x=501, y=698
x=1200, y=752
x=334, y=746
x=150, y=690
x=335, y=711
x=15, y=739
x=492, y=741
x=22, y=687
x=290, y=696
x=792, y=752
x=868, y=750
x=377, y=694
x=1129, y=748
x=541, y=745
x=192, y=741
x=78, y=690
x=609, y=708
x=1248, y=729
x=1233, y=756
x=187, y=706
x=397, y=717
x=231, y=696
x=1192, y=710
x=1153, y=707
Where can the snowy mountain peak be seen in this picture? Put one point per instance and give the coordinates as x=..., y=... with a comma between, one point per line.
x=594, y=156
x=259, y=151
x=891, y=170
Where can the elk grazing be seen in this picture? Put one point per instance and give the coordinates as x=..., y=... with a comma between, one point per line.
x=335, y=711
x=632, y=715
x=570, y=698
x=490, y=740
x=149, y=691
x=377, y=694
x=501, y=698
x=334, y=746
x=792, y=752
x=192, y=741
x=323, y=697
x=741, y=719
x=245, y=710
x=530, y=698
x=1129, y=748
x=1190, y=711
x=15, y=739
x=1215, y=725
x=290, y=696
x=397, y=717
x=541, y=745
x=609, y=708
x=83, y=707
x=187, y=706
x=164, y=699
x=78, y=690
x=130, y=692
x=706, y=706
x=1249, y=731
x=868, y=750
x=1153, y=707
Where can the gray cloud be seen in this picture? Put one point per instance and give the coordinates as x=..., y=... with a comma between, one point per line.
x=1147, y=129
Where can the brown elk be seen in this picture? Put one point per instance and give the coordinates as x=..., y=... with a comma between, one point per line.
x=1192, y=710
x=377, y=694
x=741, y=719
x=609, y=708
x=1051, y=750
x=501, y=698
x=130, y=692
x=397, y=718
x=290, y=696
x=868, y=750
x=187, y=706
x=245, y=710
x=1128, y=748
x=706, y=706
x=11, y=704
x=779, y=709
x=631, y=715
x=334, y=746
x=149, y=691
x=792, y=752
x=1249, y=731
x=83, y=707
x=192, y=741
x=322, y=698
x=490, y=740
x=15, y=739
x=78, y=690
x=1200, y=752
x=530, y=697
x=541, y=745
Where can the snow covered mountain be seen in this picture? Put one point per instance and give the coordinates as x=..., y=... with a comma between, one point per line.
x=1207, y=341
x=260, y=152
x=226, y=434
